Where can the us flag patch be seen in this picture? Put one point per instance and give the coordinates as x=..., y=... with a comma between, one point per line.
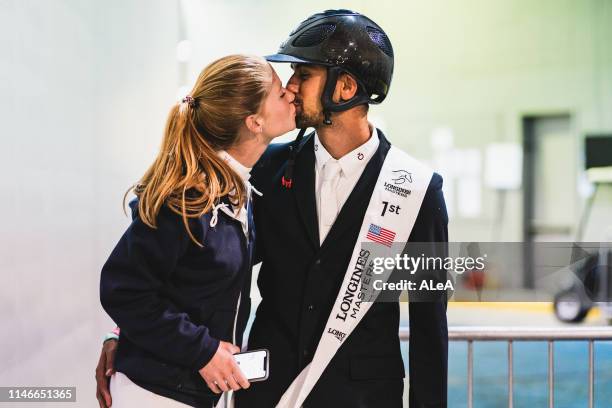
x=381, y=235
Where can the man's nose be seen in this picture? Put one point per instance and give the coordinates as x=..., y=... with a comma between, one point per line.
x=290, y=95
x=292, y=85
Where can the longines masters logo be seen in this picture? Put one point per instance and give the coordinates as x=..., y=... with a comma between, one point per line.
x=400, y=178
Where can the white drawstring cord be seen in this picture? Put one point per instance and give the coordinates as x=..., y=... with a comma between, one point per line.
x=223, y=206
x=250, y=190
x=215, y=213
x=254, y=190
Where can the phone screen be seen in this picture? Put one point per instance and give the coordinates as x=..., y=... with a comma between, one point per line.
x=254, y=364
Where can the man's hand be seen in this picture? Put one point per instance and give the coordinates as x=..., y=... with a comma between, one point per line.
x=222, y=372
x=104, y=370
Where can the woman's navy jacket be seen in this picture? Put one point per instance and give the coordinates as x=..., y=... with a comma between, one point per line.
x=175, y=301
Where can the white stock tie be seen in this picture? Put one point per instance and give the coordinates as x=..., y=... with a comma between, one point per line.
x=330, y=176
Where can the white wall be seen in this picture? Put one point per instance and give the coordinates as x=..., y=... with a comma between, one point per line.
x=85, y=90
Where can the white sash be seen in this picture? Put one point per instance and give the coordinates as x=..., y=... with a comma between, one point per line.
x=402, y=182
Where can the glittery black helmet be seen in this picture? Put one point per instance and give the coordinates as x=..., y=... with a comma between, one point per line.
x=344, y=41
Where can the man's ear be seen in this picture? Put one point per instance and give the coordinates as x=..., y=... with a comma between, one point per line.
x=346, y=88
x=254, y=123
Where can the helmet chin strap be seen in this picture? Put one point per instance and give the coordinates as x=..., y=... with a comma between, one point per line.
x=329, y=106
x=287, y=179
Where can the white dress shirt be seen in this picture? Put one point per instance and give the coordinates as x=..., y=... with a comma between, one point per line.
x=335, y=179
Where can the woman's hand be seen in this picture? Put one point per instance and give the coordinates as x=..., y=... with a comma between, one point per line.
x=222, y=372
x=104, y=370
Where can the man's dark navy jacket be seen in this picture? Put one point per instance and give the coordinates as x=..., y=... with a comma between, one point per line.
x=174, y=300
x=300, y=279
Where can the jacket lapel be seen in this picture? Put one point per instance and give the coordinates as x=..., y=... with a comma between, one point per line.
x=304, y=189
x=357, y=202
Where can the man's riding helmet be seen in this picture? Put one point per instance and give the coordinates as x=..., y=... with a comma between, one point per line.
x=344, y=41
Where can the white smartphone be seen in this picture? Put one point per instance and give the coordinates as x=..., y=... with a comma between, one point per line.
x=254, y=364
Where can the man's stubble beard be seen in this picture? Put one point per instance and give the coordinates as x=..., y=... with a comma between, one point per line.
x=304, y=120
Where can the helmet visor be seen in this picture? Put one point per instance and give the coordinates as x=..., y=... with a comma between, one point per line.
x=285, y=58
